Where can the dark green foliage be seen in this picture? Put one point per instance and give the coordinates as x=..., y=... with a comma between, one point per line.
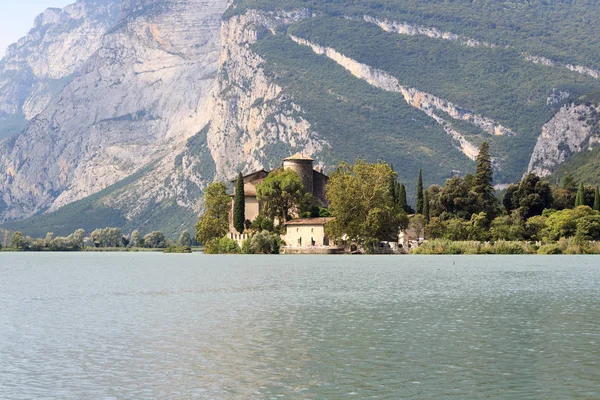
x=239, y=205
x=419, y=195
x=426, y=206
x=580, y=198
x=530, y=197
x=597, y=199
x=483, y=184
x=264, y=243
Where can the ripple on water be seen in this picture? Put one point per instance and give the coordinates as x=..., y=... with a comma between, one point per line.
x=107, y=326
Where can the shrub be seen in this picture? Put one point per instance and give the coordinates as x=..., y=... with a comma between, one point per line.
x=550, y=249
x=222, y=246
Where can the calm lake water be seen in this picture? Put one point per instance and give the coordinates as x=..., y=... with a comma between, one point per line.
x=136, y=325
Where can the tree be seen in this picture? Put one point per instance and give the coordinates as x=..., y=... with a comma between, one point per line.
x=155, y=240
x=265, y=243
x=530, y=197
x=580, y=198
x=426, y=206
x=185, y=239
x=17, y=241
x=214, y=222
x=77, y=238
x=420, y=199
x=457, y=199
x=483, y=183
x=417, y=224
x=361, y=203
x=402, y=202
x=597, y=199
x=239, y=205
x=282, y=195
x=136, y=239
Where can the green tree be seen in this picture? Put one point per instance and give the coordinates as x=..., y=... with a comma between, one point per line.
x=78, y=237
x=282, y=195
x=420, y=199
x=483, y=183
x=214, y=222
x=426, y=206
x=136, y=239
x=361, y=203
x=17, y=241
x=402, y=201
x=239, y=205
x=185, y=239
x=580, y=198
x=155, y=240
x=597, y=199
x=265, y=243
x=531, y=196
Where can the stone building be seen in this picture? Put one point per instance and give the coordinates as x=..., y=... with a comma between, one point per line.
x=314, y=182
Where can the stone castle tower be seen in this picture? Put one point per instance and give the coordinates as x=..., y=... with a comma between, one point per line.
x=303, y=166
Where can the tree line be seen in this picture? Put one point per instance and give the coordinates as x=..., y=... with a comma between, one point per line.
x=104, y=238
x=370, y=205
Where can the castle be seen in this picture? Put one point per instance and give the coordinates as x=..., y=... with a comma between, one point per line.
x=314, y=182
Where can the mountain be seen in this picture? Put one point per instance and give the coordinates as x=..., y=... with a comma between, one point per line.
x=179, y=93
x=40, y=65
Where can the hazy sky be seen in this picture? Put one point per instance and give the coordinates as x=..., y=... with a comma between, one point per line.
x=16, y=18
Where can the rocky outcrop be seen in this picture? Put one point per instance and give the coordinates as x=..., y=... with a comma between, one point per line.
x=139, y=97
x=425, y=102
x=571, y=130
x=253, y=122
x=38, y=66
x=403, y=28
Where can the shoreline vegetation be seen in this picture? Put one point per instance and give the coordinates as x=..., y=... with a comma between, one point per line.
x=368, y=211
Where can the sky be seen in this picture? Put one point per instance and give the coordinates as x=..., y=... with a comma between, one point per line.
x=16, y=18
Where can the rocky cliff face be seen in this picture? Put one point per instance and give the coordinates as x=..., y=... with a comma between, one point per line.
x=141, y=93
x=253, y=123
x=171, y=90
x=571, y=130
x=38, y=66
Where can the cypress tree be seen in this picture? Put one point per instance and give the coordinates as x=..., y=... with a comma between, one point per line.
x=597, y=199
x=393, y=186
x=239, y=205
x=484, y=177
x=420, y=193
x=426, y=206
x=580, y=198
x=402, y=202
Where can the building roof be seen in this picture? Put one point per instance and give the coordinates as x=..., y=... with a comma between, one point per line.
x=298, y=156
x=310, y=221
x=245, y=177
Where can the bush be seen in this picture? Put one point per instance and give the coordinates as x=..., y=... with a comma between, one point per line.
x=550, y=249
x=265, y=243
x=178, y=249
x=222, y=246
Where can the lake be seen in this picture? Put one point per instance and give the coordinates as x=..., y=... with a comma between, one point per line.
x=148, y=325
